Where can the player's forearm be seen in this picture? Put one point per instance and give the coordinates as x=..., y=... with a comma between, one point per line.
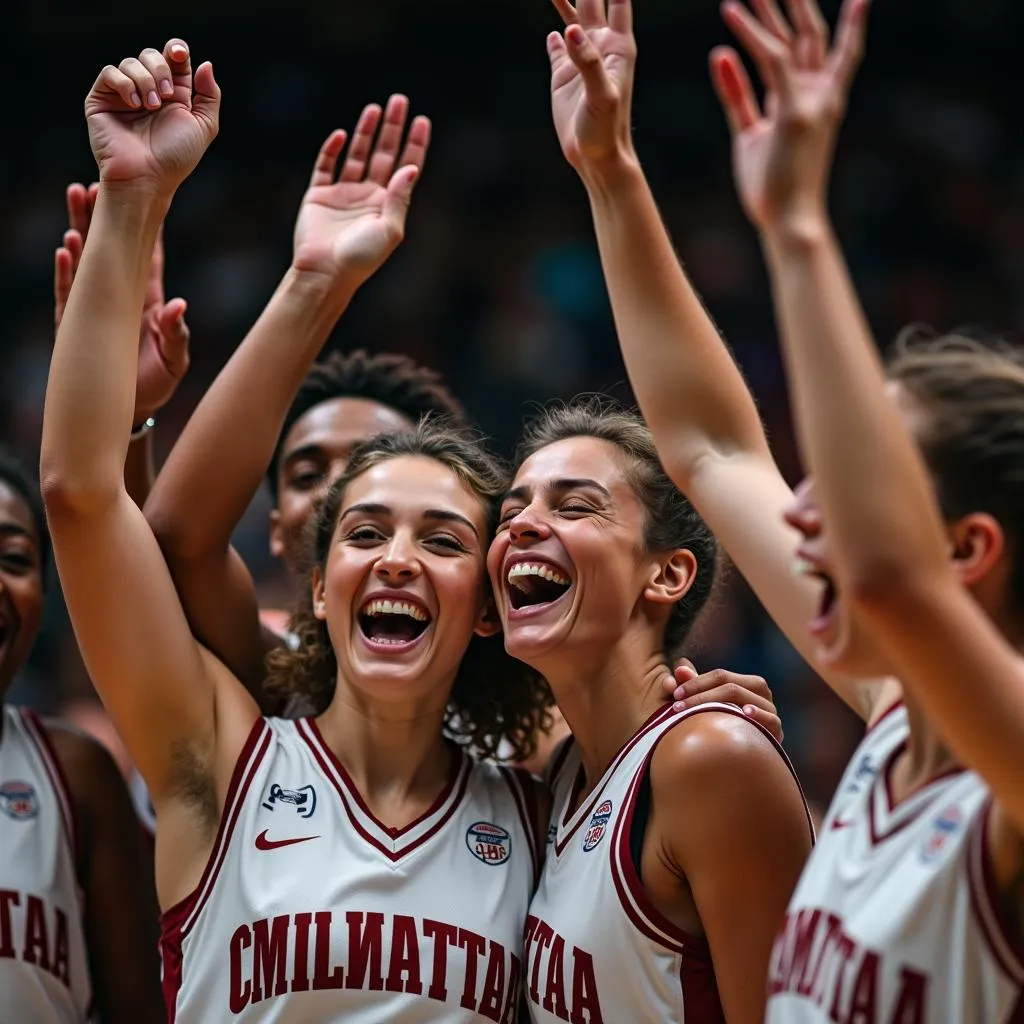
x=219, y=461
x=689, y=388
x=90, y=396
x=871, y=481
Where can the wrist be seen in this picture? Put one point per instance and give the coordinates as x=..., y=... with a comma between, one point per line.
x=143, y=194
x=611, y=174
x=328, y=292
x=798, y=228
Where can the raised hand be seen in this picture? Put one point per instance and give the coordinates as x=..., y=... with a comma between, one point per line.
x=782, y=156
x=348, y=227
x=149, y=121
x=163, y=335
x=592, y=65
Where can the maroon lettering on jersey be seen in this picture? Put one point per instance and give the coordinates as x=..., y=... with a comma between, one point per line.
x=574, y=997
x=42, y=938
x=816, y=959
x=269, y=958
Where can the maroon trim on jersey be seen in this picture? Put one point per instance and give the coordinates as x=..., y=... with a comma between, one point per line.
x=171, y=956
x=183, y=914
x=905, y=811
x=585, y=810
x=36, y=731
x=894, y=706
x=443, y=807
x=701, y=1002
x=524, y=794
x=986, y=901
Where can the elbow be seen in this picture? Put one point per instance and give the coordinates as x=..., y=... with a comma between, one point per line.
x=75, y=491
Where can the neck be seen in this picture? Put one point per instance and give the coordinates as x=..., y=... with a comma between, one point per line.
x=395, y=754
x=605, y=695
x=926, y=755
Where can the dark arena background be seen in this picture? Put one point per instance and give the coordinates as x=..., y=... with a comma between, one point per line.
x=498, y=283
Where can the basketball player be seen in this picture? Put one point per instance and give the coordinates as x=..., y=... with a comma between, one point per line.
x=676, y=838
x=76, y=934
x=305, y=867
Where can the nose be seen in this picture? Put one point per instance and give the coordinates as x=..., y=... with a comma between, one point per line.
x=398, y=561
x=803, y=517
x=528, y=527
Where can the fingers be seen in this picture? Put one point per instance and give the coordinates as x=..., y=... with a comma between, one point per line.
x=566, y=11
x=768, y=52
x=385, y=152
x=766, y=719
x=326, y=165
x=812, y=33
x=416, y=146
x=206, y=97
x=557, y=53
x=850, y=35
x=112, y=80
x=361, y=144
x=584, y=55
x=63, y=276
x=159, y=70
x=736, y=94
x=772, y=18
x=142, y=80
x=590, y=14
x=79, y=208
x=179, y=61
x=620, y=16
x=175, y=336
x=396, y=204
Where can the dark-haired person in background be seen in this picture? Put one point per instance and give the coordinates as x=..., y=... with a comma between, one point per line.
x=77, y=929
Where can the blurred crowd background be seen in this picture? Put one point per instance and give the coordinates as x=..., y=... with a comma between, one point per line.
x=498, y=283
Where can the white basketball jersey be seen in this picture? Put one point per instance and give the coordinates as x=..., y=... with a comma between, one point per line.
x=895, y=920
x=44, y=969
x=312, y=910
x=597, y=949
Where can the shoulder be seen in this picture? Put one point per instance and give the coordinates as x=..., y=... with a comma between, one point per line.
x=86, y=764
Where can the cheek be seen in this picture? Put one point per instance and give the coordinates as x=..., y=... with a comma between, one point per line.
x=27, y=597
x=495, y=556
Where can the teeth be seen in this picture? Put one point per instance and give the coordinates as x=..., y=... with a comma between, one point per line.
x=801, y=567
x=381, y=607
x=534, y=569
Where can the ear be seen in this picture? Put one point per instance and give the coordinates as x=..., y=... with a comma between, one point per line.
x=488, y=622
x=319, y=602
x=276, y=534
x=978, y=546
x=671, y=577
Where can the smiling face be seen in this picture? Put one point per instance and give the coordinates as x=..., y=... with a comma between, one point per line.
x=568, y=565
x=404, y=587
x=313, y=456
x=21, y=583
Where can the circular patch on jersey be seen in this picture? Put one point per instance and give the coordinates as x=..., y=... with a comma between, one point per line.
x=489, y=843
x=18, y=800
x=944, y=827
x=598, y=826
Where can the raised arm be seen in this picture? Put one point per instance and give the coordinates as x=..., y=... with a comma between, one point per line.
x=163, y=337
x=162, y=691
x=885, y=529
x=345, y=231
x=692, y=394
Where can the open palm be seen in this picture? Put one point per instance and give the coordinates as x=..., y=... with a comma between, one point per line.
x=592, y=70
x=346, y=229
x=138, y=134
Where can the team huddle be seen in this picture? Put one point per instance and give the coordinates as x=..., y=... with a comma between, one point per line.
x=470, y=775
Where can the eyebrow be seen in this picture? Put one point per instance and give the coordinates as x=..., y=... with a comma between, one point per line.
x=560, y=487
x=16, y=530
x=374, y=508
x=306, y=451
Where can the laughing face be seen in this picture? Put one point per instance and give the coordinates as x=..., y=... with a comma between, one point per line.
x=21, y=583
x=568, y=565
x=404, y=587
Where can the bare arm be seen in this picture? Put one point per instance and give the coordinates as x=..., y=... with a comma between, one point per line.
x=691, y=392
x=156, y=682
x=346, y=230
x=886, y=531
x=733, y=827
x=120, y=902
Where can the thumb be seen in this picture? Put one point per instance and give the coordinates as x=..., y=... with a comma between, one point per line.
x=206, y=98
x=396, y=204
x=584, y=55
x=175, y=336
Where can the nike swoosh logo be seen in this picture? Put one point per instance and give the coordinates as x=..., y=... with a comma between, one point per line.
x=263, y=843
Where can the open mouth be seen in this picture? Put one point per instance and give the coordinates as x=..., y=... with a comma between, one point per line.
x=829, y=593
x=387, y=623
x=531, y=584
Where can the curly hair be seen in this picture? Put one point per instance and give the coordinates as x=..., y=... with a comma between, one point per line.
x=670, y=520
x=392, y=380
x=494, y=697
x=14, y=473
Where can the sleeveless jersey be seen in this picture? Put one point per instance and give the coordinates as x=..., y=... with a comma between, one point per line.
x=597, y=949
x=895, y=920
x=44, y=969
x=312, y=910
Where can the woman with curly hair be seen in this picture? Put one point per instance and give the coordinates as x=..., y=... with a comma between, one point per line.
x=305, y=867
